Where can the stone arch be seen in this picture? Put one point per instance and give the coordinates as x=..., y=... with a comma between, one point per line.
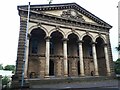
x=77, y=34
x=56, y=50
x=37, y=26
x=85, y=34
x=87, y=54
x=97, y=36
x=101, y=56
x=36, y=41
x=72, y=53
x=57, y=29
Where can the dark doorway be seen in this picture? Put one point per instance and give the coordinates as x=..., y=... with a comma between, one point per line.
x=68, y=69
x=78, y=65
x=51, y=70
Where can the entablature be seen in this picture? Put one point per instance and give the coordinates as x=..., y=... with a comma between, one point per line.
x=35, y=16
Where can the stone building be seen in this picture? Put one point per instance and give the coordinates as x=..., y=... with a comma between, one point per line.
x=64, y=40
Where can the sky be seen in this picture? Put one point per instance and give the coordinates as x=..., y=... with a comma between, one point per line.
x=10, y=24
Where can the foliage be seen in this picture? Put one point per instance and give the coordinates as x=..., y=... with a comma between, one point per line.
x=1, y=67
x=118, y=48
x=117, y=66
x=10, y=68
x=5, y=83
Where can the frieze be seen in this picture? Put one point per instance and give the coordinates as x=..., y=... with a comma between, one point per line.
x=59, y=20
x=72, y=15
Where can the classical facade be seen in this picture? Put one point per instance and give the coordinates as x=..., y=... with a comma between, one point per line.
x=64, y=40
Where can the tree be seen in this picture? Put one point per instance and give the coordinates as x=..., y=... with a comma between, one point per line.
x=117, y=66
x=10, y=68
x=5, y=81
x=118, y=48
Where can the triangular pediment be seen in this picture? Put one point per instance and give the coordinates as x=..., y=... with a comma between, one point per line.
x=69, y=11
x=71, y=14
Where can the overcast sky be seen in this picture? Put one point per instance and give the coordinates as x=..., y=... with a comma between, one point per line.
x=9, y=23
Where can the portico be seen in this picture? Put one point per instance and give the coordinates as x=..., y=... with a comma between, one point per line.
x=65, y=40
x=59, y=56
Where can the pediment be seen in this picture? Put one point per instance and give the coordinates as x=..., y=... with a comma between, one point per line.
x=69, y=11
x=71, y=14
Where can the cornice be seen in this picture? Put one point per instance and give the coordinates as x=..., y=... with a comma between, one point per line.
x=48, y=7
x=59, y=20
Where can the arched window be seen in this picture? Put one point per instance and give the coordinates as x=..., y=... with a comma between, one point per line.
x=51, y=48
x=90, y=51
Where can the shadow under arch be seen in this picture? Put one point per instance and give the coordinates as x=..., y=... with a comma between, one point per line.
x=69, y=33
x=102, y=70
x=88, y=55
x=87, y=34
x=37, y=26
x=100, y=36
x=73, y=54
x=58, y=30
x=56, y=51
x=36, y=41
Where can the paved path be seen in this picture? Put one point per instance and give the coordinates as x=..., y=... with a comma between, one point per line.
x=108, y=84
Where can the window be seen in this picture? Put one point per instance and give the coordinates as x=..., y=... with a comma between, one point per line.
x=34, y=46
x=90, y=51
x=51, y=48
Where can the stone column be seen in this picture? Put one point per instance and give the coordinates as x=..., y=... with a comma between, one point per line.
x=81, y=58
x=107, y=59
x=65, y=57
x=27, y=56
x=95, y=59
x=47, y=56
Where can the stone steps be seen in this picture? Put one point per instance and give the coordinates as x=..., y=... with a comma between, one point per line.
x=47, y=81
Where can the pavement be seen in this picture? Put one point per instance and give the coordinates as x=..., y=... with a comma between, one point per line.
x=92, y=85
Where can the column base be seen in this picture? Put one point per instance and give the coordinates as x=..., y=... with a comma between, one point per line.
x=25, y=77
x=96, y=75
x=65, y=75
x=82, y=75
x=47, y=77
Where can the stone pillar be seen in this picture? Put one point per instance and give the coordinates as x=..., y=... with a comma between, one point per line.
x=65, y=57
x=95, y=59
x=107, y=60
x=47, y=56
x=27, y=56
x=81, y=59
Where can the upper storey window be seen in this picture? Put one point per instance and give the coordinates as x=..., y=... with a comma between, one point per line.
x=34, y=46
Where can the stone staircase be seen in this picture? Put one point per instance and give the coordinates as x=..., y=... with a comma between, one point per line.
x=49, y=81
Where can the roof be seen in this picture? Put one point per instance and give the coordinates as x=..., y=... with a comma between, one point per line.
x=46, y=7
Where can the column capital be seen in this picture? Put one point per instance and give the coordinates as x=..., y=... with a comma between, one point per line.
x=105, y=44
x=47, y=38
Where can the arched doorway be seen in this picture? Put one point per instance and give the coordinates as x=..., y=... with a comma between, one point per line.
x=73, y=56
x=37, y=52
x=87, y=55
x=101, y=56
x=56, y=53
